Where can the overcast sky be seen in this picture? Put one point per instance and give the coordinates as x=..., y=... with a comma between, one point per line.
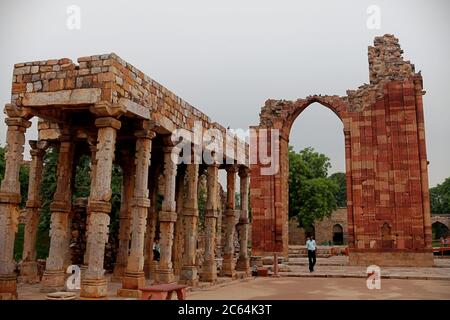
x=228, y=57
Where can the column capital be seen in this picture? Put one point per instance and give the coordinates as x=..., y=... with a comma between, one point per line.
x=231, y=168
x=243, y=172
x=105, y=122
x=145, y=134
x=13, y=111
x=38, y=147
x=171, y=149
x=107, y=109
x=17, y=122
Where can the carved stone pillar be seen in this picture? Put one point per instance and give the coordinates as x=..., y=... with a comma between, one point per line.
x=28, y=266
x=134, y=277
x=243, y=262
x=150, y=264
x=61, y=207
x=9, y=204
x=93, y=284
x=230, y=218
x=188, y=273
x=128, y=170
x=93, y=149
x=177, y=251
x=167, y=217
x=209, y=267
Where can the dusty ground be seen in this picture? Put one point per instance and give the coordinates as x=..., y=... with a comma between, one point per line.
x=332, y=279
x=325, y=289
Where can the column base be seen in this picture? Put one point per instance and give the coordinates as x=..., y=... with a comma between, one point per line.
x=29, y=272
x=133, y=280
x=83, y=269
x=129, y=293
x=228, y=267
x=164, y=276
x=243, y=264
x=209, y=271
x=118, y=273
x=8, y=287
x=94, y=288
x=53, y=281
x=189, y=275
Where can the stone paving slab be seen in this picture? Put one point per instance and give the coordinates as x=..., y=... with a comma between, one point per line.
x=32, y=291
x=329, y=271
x=343, y=261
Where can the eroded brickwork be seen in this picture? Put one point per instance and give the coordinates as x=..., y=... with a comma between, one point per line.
x=386, y=165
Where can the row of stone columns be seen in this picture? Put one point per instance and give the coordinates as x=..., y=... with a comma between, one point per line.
x=9, y=203
x=138, y=214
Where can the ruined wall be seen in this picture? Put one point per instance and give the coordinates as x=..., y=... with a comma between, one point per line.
x=386, y=165
x=104, y=78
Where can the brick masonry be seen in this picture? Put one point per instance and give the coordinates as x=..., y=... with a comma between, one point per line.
x=386, y=165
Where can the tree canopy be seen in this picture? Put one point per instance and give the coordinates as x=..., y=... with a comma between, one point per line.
x=440, y=198
x=312, y=194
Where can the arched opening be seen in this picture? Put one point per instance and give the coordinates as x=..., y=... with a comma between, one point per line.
x=317, y=174
x=338, y=235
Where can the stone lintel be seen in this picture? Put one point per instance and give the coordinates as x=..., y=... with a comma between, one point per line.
x=135, y=108
x=62, y=97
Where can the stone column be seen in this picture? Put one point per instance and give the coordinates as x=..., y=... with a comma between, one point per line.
x=93, y=149
x=61, y=207
x=230, y=218
x=9, y=204
x=190, y=213
x=167, y=217
x=209, y=267
x=28, y=266
x=134, y=277
x=93, y=284
x=128, y=171
x=177, y=251
x=243, y=263
x=150, y=265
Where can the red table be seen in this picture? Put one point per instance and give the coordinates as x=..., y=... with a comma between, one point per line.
x=164, y=292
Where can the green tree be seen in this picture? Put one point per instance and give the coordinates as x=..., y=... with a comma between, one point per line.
x=440, y=198
x=341, y=195
x=312, y=195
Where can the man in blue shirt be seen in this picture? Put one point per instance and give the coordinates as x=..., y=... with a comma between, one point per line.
x=311, y=246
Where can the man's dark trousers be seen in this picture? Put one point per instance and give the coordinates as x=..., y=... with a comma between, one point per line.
x=312, y=259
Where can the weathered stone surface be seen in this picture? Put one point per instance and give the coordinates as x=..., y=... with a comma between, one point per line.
x=64, y=97
x=386, y=165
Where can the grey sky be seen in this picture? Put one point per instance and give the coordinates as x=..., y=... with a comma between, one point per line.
x=228, y=57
